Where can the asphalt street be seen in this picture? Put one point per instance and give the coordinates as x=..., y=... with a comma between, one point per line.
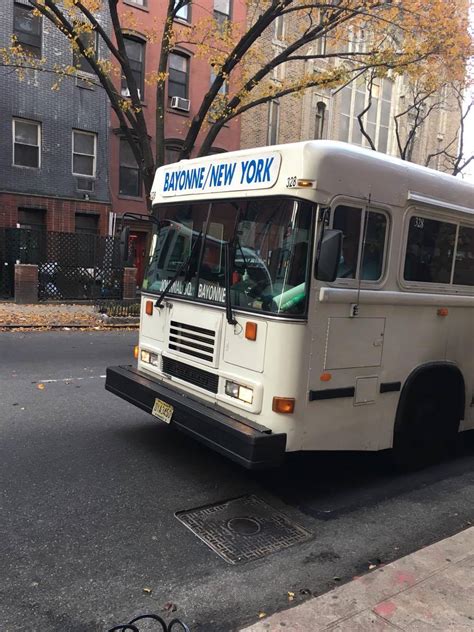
x=90, y=486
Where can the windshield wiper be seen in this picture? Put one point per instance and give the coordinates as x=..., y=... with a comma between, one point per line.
x=180, y=269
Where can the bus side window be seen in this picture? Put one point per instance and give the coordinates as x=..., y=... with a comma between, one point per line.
x=430, y=250
x=464, y=266
x=374, y=245
x=348, y=219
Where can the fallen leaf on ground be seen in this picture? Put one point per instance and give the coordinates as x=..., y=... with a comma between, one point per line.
x=261, y=615
x=41, y=387
x=291, y=596
x=169, y=607
x=147, y=590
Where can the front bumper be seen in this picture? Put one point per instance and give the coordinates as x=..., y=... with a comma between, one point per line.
x=249, y=444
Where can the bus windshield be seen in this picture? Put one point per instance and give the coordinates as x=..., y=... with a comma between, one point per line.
x=269, y=242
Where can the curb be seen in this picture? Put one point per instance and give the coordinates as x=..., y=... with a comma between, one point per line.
x=102, y=326
x=425, y=587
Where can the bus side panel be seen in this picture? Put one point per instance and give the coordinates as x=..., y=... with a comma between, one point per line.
x=461, y=352
x=356, y=409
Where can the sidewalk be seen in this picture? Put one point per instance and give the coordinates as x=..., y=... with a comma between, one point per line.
x=428, y=591
x=59, y=315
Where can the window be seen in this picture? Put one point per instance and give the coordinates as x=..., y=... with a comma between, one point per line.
x=172, y=152
x=84, y=147
x=356, y=40
x=90, y=42
x=87, y=224
x=136, y=54
x=320, y=120
x=430, y=250
x=26, y=143
x=224, y=89
x=27, y=29
x=183, y=12
x=178, y=66
x=357, y=236
x=32, y=218
x=464, y=266
x=278, y=72
x=321, y=44
x=222, y=12
x=354, y=98
x=262, y=246
x=279, y=28
x=141, y=3
x=273, y=122
x=130, y=183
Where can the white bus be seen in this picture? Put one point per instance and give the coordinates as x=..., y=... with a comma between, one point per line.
x=309, y=296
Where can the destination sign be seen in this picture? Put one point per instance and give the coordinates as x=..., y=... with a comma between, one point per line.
x=250, y=172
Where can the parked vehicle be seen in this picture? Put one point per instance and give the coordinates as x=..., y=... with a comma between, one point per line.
x=309, y=296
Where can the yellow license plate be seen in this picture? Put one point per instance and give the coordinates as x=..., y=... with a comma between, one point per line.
x=162, y=410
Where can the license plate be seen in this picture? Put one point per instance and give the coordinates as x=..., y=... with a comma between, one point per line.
x=162, y=410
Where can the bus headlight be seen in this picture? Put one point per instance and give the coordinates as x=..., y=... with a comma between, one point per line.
x=243, y=393
x=148, y=357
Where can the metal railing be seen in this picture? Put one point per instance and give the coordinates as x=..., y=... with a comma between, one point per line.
x=175, y=625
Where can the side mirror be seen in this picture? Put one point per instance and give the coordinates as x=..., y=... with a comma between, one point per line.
x=124, y=238
x=329, y=255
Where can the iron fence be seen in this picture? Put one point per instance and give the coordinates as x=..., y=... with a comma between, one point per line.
x=71, y=266
x=7, y=263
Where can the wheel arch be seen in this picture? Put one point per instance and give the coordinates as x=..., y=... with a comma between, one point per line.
x=446, y=374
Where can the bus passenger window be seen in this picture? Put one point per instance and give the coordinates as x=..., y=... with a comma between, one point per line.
x=464, y=266
x=430, y=250
x=374, y=245
x=347, y=219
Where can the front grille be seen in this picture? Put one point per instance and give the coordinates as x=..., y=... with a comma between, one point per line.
x=188, y=373
x=196, y=342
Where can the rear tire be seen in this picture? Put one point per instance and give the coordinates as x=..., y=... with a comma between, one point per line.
x=428, y=429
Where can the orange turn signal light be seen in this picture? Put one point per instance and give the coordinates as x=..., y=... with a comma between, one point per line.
x=325, y=377
x=443, y=311
x=305, y=183
x=251, y=330
x=149, y=308
x=285, y=405
x=135, y=352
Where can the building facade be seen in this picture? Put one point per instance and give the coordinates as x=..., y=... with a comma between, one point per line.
x=53, y=137
x=333, y=113
x=189, y=79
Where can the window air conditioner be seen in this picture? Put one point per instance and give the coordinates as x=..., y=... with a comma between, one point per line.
x=125, y=92
x=85, y=184
x=178, y=103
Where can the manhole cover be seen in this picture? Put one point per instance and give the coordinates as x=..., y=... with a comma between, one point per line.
x=243, y=529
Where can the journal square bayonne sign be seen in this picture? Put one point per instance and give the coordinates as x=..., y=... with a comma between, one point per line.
x=246, y=173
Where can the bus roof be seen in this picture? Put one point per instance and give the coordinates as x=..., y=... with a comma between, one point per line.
x=335, y=168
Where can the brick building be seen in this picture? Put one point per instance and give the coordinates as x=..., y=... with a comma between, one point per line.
x=332, y=114
x=53, y=143
x=189, y=79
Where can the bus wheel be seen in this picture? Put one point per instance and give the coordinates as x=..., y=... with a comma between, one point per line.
x=428, y=429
